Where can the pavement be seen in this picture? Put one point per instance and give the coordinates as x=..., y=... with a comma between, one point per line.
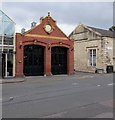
x=12, y=80
x=79, y=75
x=23, y=79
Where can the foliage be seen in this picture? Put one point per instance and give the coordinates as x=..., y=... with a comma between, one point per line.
x=112, y=28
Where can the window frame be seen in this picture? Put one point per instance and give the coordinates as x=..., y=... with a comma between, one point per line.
x=91, y=57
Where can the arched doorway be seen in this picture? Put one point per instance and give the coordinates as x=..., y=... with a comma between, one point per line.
x=33, y=60
x=59, y=60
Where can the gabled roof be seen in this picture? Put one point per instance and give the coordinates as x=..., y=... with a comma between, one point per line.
x=101, y=32
x=104, y=33
x=39, y=30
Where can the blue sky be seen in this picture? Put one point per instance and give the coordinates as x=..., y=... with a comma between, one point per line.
x=67, y=14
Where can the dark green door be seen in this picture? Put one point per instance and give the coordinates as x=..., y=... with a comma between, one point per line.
x=33, y=60
x=59, y=60
x=109, y=69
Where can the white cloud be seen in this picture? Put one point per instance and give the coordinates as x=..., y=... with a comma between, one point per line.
x=67, y=15
x=58, y=0
x=18, y=28
x=88, y=13
x=66, y=28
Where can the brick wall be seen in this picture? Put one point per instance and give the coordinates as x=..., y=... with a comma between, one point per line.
x=38, y=36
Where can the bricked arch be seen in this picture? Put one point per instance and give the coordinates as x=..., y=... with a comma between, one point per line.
x=61, y=44
x=34, y=42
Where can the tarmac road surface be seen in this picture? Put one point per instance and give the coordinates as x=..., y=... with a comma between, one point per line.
x=82, y=95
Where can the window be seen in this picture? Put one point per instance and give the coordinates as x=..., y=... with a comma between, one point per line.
x=9, y=64
x=8, y=41
x=0, y=49
x=7, y=37
x=92, y=57
x=0, y=40
x=6, y=18
x=8, y=28
x=1, y=15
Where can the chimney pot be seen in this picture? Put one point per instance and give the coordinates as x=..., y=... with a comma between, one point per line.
x=23, y=30
x=41, y=19
x=48, y=13
x=33, y=24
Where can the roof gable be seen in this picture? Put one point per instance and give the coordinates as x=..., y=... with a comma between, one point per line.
x=104, y=33
x=40, y=29
x=80, y=29
x=98, y=31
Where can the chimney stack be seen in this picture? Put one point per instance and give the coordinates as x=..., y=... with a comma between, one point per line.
x=23, y=30
x=48, y=13
x=41, y=19
x=33, y=24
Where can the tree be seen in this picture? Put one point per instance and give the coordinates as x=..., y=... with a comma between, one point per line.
x=112, y=28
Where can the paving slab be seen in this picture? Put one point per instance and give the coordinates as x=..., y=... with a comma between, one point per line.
x=12, y=80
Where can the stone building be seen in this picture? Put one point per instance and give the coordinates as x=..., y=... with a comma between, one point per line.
x=7, y=46
x=93, y=49
x=44, y=50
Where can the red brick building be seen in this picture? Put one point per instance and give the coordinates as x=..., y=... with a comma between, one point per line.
x=44, y=50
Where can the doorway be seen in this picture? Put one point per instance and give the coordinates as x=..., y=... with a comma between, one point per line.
x=7, y=64
x=59, y=60
x=33, y=60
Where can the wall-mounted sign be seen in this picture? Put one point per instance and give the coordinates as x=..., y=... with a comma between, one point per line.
x=109, y=48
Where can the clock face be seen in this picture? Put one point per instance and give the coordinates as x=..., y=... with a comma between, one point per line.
x=48, y=28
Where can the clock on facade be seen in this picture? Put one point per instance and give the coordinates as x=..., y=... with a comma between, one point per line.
x=48, y=28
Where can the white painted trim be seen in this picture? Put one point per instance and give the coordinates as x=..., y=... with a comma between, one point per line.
x=88, y=53
x=13, y=65
x=14, y=57
x=6, y=65
x=7, y=16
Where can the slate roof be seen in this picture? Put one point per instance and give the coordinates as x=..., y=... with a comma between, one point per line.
x=104, y=33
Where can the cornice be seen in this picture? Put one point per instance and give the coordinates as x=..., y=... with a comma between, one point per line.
x=44, y=36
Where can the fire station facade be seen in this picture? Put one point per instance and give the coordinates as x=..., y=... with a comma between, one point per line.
x=44, y=50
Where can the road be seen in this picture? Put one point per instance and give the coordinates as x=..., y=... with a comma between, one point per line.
x=82, y=95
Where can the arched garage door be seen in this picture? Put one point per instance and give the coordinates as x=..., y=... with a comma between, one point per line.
x=33, y=60
x=59, y=60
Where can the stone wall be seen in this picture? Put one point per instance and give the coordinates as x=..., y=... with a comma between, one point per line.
x=84, y=40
